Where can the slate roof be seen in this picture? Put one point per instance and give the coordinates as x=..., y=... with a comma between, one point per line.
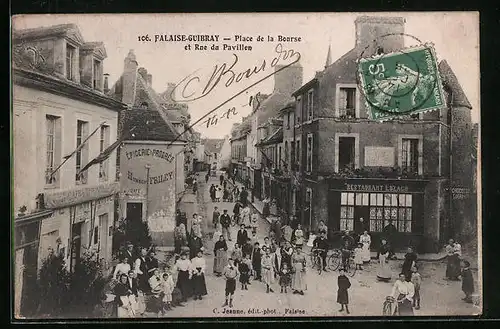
x=450, y=80
x=212, y=145
x=271, y=107
x=148, y=125
x=154, y=104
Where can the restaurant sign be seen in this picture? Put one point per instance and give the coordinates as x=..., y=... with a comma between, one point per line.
x=79, y=195
x=378, y=185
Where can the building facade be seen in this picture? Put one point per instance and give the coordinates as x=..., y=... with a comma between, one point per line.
x=212, y=148
x=225, y=153
x=356, y=174
x=62, y=120
x=152, y=158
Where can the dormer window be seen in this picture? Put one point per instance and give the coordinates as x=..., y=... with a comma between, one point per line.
x=97, y=65
x=70, y=59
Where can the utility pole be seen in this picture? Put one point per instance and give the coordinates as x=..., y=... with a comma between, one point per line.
x=148, y=168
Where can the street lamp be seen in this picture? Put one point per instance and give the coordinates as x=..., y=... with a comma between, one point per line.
x=148, y=167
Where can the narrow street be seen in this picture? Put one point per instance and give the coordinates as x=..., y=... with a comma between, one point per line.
x=366, y=295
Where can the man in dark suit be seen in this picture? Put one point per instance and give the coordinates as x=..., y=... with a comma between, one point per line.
x=132, y=283
x=242, y=237
x=130, y=254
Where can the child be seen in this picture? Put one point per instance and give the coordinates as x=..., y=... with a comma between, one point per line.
x=167, y=287
x=358, y=256
x=342, y=294
x=230, y=273
x=285, y=277
x=467, y=282
x=254, y=222
x=416, y=279
x=245, y=269
x=237, y=254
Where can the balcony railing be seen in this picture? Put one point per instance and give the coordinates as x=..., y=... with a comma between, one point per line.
x=347, y=113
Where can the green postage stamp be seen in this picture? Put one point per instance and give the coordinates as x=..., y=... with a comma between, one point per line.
x=402, y=83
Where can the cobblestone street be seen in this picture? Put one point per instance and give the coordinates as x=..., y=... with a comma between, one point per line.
x=366, y=295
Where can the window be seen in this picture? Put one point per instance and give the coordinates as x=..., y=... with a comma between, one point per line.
x=70, y=59
x=103, y=144
x=309, y=198
x=409, y=155
x=53, y=148
x=288, y=120
x=299, y=110
x=297, y=160
x=96, y=235
x=309, y=156
x=292, y=155
x=346, y=211
x=347, y=102
x=310, y=104
x=82, y=150
x=346, y=152
x=97, y=74
x=286, y=163
x=279, y=157
x=394, y=207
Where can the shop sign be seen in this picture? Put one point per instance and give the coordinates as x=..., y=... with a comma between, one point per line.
x=460, y=193
x=79, y=195
x=377, y=188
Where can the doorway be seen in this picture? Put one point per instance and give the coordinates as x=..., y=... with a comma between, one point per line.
x=76, y=245
x=134, y=211
x=103, y=240
x=361, y=219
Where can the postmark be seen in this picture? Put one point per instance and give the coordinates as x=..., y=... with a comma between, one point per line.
x=401, y=83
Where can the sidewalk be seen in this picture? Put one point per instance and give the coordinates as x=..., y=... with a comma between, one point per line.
x=259, y=205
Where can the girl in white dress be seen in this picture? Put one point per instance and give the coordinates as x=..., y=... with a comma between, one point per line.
x=366, y=240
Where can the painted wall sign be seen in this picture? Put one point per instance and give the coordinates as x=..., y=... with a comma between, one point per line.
x=150, y=152
x=460, y=193
x=377, y=188
x=379, y=156
x=152, y=180
x=79, y=195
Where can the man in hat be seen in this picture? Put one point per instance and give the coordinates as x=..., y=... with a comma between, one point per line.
x=151, y=262
x=130, y=254
x=225, y=222
x=141, y=269
x=230, y=273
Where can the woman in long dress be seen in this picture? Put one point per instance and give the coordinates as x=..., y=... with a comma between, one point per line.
x=366, y=240
x=384, y=272
x=299, y=271
x=403, y=292
x=453, y=261
x=184, y=266
x=299, y=236
x=267, y=270
x=124, y=302
x=198, y=276
x=220, y=252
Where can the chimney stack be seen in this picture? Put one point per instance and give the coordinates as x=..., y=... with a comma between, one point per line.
x=388, y=31
x=289, y=79
x=129, y=78
x=106, y=83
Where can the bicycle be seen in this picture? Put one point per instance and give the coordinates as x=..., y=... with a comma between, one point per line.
x=335, y=260
x=316, y=260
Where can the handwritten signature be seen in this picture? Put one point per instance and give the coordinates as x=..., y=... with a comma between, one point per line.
x=194, y=87
x=219, y=73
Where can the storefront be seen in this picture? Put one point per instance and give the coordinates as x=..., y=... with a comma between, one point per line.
x=26, y=245
x=370, y=204
x=82, y=220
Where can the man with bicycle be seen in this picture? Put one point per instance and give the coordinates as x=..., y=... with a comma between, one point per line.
x=320, y=246
x=347, y=247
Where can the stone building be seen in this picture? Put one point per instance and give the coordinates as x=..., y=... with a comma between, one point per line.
x=356, y=174
x=152, y=157
x=61, y=120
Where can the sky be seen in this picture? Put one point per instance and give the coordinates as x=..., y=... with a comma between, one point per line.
x=455, y=36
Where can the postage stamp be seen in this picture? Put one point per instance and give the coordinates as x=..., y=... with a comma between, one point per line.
x=401, y=83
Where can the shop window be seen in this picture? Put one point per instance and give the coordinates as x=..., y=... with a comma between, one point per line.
x=394, y=207
x=347, y=211
x=346, y=152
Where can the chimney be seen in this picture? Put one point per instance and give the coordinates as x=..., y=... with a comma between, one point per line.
x=387, y=31
x=106, y=83
x=149, y=79
x=287, y=80
x=129, y=78
x=169, y=94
